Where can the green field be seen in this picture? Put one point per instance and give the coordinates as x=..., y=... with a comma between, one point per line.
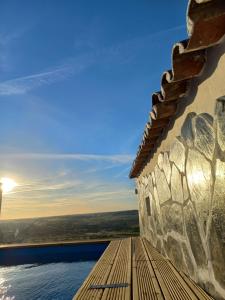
x=70, y=228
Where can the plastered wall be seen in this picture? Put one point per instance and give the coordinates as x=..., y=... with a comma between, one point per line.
x=181, y=190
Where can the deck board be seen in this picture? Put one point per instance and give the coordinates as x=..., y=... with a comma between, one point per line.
x=99, y=274
x=147, y=273
x=176, y=286
x=148, y=286
x=120, y=273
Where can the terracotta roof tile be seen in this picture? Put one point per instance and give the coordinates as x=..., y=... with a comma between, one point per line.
x=206, y=28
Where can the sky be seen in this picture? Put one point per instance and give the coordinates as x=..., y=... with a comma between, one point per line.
x=75, y=83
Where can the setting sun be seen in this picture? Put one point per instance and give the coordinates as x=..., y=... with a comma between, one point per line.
x=8, y=184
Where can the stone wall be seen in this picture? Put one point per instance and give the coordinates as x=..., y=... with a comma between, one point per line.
x=182, y=200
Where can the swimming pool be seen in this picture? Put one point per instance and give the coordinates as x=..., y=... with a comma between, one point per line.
x=48, y=273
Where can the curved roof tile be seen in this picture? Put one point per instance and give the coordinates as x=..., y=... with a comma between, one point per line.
x=206, y=28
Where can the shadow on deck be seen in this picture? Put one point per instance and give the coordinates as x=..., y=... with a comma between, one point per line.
x=133, y=269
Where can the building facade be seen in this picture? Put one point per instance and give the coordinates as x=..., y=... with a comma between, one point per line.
x=180, y=164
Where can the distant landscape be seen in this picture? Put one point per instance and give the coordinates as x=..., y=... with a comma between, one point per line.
x=70, y=228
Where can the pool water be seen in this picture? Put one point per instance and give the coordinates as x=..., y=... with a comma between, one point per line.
x=57, y=281
x=57, y=275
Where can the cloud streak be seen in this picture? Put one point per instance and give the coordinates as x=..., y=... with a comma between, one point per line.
x=116, y=158
x=24, y=84
x=6, y=41
x=67, y=197
x=65, y=190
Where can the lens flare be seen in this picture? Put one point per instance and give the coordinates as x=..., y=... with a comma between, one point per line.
x=8, y=184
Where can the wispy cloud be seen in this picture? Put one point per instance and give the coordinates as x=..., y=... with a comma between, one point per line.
x=6, y=41
x=126, y=51
x=124, y=172
x=24, y=84
x=7, y=38
x=122, y=52
x=65, y=195
x=167, y=30
x=116, y=158
x=44, y=188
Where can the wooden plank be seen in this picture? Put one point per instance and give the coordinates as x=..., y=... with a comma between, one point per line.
x=160, y=280
x=134, y=273
x=199, y=292
x=176, y=286
x=120, y=273
x=99, y=274
x=153, y=252
x=128, y=291
x=148, y=287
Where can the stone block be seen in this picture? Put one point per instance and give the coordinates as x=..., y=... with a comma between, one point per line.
x=186, y=130
x=177, y=154
x=194, y=236
x=172, y=218
x=167, y=167
x=162, y=185
x=199, y=178
x=204, y=136
x=176, y=185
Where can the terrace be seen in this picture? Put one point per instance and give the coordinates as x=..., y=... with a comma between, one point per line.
x=132, y=269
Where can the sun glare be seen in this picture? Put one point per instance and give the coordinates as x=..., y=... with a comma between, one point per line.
x=8, y=184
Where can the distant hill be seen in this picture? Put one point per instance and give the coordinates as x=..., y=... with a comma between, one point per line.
x=71, y=227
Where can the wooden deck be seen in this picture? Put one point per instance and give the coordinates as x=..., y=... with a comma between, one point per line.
x=133, y=269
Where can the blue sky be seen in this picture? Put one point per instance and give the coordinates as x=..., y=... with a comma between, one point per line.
x=75, y=83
